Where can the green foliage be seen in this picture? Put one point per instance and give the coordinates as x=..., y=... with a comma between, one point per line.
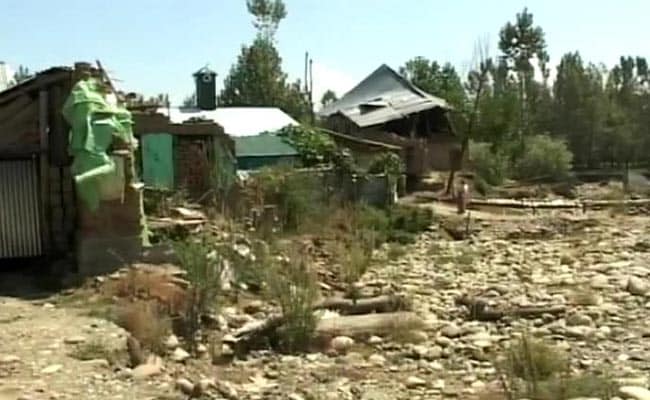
x=268, y=14
x=544, y=157
x=315, y=147
x=203, y=268
x=293, y=286
x=387, y=163
x=442, y=81
x=491, y=167
x=328, y=98
x=257, y=79
x=297, y=196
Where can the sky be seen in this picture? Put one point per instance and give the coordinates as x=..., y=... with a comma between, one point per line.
x=153, y=46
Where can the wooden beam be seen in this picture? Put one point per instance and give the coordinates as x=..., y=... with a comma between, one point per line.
x=44, y=169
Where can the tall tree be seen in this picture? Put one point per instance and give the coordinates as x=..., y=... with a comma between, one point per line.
x=329, y=97
x=22, y=74
x=522, y=43
x=268, y=15
x=257, y=78
x=442, y=81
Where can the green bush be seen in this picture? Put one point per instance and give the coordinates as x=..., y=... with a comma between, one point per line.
x=491, y=167
x=544, y=156
x=293, y=286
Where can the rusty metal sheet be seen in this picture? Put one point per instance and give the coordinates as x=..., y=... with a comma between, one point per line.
x=20, y=224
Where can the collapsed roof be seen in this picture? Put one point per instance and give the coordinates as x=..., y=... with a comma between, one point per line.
x=383, y=96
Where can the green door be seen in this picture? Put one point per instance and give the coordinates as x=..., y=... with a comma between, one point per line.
x=158, y=160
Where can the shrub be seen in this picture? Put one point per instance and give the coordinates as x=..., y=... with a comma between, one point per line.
x=203, y=266
x=293, y=285
x=544, y=157
x=411, y=219
x=146, y=324
x=490, y=166
x=355, y=260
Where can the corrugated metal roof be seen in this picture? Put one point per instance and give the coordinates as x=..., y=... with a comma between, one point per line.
x=263, y=145
x=236, y=121
x=383, y=96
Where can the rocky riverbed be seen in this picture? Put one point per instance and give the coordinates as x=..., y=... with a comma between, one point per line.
x=597, y=268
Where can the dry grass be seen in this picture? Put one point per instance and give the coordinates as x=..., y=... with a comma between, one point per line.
x=146, y=324
x=147, y=285
x=293, y=286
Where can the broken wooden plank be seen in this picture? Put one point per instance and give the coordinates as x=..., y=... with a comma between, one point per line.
x=379, y=304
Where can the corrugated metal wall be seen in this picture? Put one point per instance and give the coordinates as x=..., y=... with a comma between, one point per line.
x=20, y=233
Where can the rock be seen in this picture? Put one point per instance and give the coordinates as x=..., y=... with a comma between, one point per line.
x=227, y=390
x=172, y=342
x=152, y=367
x=635, y=392
x=201, y=348
x=413, y=382
x=375, y=340
x=341, y=344
x=227, y=351
x=637, y=286
x=9, y=359
x=579, y=332
x=97, y=363
x=254, y=307
x=180, y=355
x=295, y=396
x=451, y=331
x=599, y=281
x=579, y=320
x=419, y=336
x=185, y=386
x=74, y=340
x=377, y=360
x=52, y=369
x=444, y=341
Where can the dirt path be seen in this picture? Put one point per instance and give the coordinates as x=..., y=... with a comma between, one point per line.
x=36, y=343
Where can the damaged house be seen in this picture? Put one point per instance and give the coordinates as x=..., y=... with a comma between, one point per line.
x=385, y=107
x=67, y=185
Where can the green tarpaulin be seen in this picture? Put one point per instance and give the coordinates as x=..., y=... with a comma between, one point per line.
x=94, y=124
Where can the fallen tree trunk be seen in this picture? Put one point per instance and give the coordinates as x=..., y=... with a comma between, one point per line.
x=379, y=304
x=367, y=325
x=556, y=204
x=258, y=334
x=511, y=203
x=480, y=311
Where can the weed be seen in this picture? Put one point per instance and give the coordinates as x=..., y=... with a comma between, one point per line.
x=395, y=251
x=292, y=284
x=203, y=267
x=529, y=364
x=355, y=260
x=146, y=324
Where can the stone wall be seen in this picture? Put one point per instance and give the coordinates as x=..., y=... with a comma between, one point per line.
x=111, y=236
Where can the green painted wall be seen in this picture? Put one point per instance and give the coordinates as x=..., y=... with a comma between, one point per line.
x=158, y=160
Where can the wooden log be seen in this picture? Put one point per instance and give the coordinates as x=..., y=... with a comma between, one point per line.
x=480, y=311
x=367, y=325
x=379, y=304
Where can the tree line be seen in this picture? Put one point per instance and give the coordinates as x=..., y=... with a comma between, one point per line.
x=603, y=115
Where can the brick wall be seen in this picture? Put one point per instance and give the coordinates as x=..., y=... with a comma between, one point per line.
x=192, y=160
